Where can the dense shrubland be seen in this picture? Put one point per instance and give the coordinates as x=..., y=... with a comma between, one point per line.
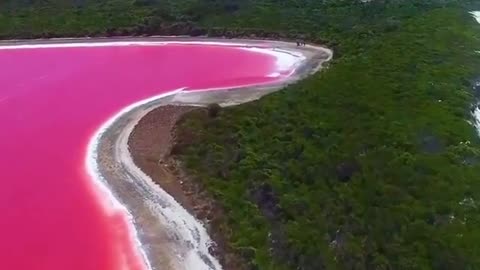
x=371, y=164
x=368, y=165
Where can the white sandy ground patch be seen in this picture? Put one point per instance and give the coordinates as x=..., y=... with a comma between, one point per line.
x=285, y=60
x=172, y=215
x=476, y=15
x=110, y=202
x=476, y=112
x=175, y=239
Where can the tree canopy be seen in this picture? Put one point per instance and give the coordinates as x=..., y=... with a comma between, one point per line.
x=370, y=164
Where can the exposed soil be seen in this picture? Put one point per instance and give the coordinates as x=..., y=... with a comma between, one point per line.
x=150, y=144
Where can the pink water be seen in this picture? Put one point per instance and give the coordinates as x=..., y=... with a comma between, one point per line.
x=52, y=100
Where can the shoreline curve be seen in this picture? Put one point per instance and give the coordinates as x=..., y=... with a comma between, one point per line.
x=181, y=242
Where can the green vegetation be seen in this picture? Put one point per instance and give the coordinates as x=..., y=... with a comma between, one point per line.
x=370, y=164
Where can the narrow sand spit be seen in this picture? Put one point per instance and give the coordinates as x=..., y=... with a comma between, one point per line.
x=167, y=235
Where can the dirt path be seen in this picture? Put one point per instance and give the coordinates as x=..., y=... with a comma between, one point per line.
x=132, y=157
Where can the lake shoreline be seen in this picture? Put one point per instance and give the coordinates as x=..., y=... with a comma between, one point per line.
x=163, y=240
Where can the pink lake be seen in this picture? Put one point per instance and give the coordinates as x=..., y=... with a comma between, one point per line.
x=52, y=100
